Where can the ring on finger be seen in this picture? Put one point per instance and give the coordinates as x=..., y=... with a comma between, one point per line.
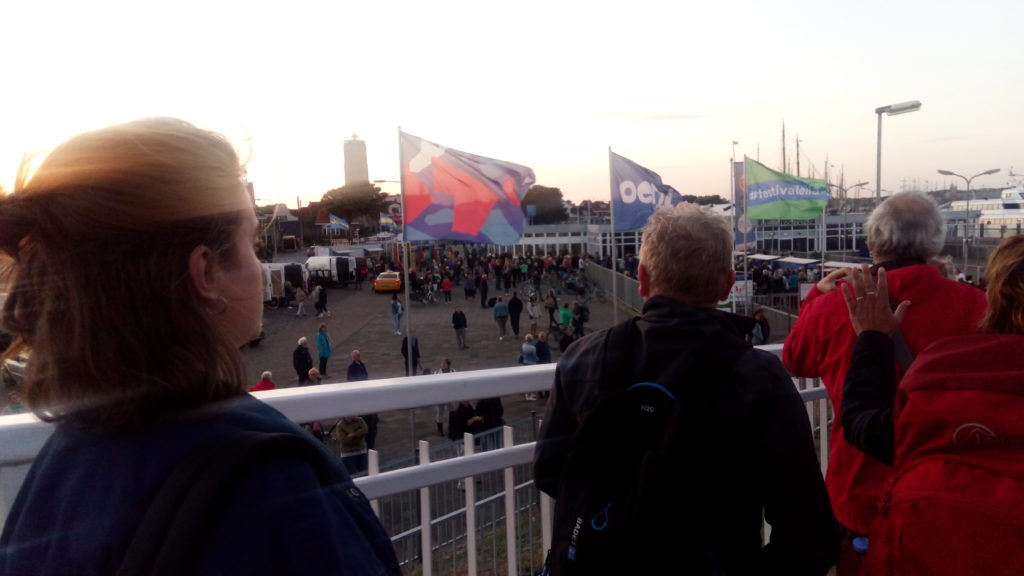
x=871, y=293
x=860, y=297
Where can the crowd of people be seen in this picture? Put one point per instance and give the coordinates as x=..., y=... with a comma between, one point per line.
x=915, y=365
x=922, y=375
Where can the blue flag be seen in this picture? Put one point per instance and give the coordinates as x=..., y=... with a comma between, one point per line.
x=636, y=192
x=338, y=223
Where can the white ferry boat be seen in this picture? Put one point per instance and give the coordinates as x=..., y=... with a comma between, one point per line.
x=996, y=217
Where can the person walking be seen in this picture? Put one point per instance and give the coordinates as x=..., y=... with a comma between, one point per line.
x=302, y=360
x=446, y=288
x=762, y=329
x=312, y=378
x=682, y=342
x=528, y=357
x=515, y=310
x=411, y=347
x=323, y=348
x=397, y=310
x=543, y=348
x=492, y=413
x=459, y=323
x=357, y=372
x=904, y=233
x=131, y=407
x=543, y=355
x=441, y=410
x=501, y=317
x=300, y=301
x=321, y=302
x=351, y=432
x=533, y=310
x=551, y=305
x=483, y=290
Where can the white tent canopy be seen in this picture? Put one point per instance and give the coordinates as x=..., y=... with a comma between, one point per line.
x=796, y=261
x=833, y=264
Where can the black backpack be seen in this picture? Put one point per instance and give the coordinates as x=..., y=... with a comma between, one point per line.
x=626, y=503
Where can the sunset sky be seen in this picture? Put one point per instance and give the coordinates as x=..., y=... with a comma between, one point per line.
x=551, y=85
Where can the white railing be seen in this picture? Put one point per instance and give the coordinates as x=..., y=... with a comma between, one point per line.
x=22, y=436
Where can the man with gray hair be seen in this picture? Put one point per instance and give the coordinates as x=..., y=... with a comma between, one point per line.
x=747, y=450
x=904, y=234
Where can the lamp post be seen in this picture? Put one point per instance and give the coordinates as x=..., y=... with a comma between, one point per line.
x=891, y=110
x=967, y=220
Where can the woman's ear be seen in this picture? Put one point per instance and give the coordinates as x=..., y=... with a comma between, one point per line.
x=202, y=272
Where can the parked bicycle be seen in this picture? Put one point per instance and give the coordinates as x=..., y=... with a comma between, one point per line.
x=424, y=294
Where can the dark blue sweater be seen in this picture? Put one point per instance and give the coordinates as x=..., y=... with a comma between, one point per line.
x=86, y=494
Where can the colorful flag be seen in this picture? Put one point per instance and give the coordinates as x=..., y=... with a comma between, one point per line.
x=774, y=195
x=338, y=223
x=453, y=195
x=386, y=219
x=636, y=192
x=746, y=234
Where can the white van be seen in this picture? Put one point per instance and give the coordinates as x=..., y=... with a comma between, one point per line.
x=331, y=270
x=275, y=274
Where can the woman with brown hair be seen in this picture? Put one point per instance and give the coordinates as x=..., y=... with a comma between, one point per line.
x=134, y=283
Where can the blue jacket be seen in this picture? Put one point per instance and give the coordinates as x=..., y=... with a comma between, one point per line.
x=85, y=495
x=500, y=310
x=323, y=345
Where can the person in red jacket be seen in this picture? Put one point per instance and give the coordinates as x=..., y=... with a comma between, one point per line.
x=266, y=382
x=904, y=233
x=953, y=505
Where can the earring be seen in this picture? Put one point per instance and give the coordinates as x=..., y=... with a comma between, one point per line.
x=223, y=308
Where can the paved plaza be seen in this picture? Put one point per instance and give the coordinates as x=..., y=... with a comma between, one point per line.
x=361, y=320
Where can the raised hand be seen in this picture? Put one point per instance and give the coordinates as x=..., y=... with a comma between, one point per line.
x=867, y=300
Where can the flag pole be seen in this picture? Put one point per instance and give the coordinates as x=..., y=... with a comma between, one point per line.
x=405, y=260
x=405, y=283
x=735, y=230
x=746, y=269
x=615, y=255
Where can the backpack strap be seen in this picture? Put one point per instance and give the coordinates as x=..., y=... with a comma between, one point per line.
x=181, y=515
x=614, y=365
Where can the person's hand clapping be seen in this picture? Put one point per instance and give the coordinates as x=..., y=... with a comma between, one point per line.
x=831, y=281
x=868, y=302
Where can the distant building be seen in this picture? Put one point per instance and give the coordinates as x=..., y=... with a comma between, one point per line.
x=356, y=169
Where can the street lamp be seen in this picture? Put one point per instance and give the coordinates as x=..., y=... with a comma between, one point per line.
x=891, y=110
x=967, y=220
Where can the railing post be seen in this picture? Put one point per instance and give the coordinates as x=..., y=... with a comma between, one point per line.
x=372, y=469
x=511, y=538
x=470, y=486
x=426, y=538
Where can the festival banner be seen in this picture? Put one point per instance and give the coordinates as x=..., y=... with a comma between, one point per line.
x=746, y=235
x=454, y=195
x=636, y=192
x=775, y=195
